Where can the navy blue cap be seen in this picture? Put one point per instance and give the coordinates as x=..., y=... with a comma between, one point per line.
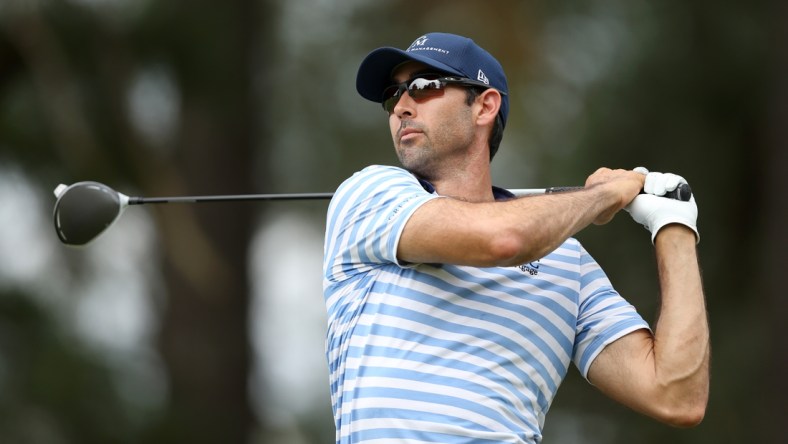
x=448, y=53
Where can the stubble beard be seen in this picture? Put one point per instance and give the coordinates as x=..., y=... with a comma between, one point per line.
x=417, y=157
x=438, y=148
x=421, y=157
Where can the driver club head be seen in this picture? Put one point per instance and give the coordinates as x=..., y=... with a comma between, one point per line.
x=84, y=210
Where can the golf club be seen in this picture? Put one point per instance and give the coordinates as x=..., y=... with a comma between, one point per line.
x=85, y=209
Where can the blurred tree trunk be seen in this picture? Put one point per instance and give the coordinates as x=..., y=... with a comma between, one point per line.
x=774, y=237
x=213, y=52
x=212, y=49
x=204, y=337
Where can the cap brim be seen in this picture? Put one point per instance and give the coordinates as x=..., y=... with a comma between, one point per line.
x=374, y=73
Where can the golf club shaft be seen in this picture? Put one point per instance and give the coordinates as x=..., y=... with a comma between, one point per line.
x=230, y=198
x=293, y=196
x=284, y=196
x=681, y=193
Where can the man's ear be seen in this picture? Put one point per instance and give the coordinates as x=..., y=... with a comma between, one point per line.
x=490, y=100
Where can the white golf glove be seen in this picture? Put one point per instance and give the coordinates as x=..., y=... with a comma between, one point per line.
x=654, y=212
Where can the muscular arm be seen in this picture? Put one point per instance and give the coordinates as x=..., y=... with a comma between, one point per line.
x=665, y=376
x=513, y=232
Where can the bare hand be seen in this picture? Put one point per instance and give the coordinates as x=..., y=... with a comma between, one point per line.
x=621, y=185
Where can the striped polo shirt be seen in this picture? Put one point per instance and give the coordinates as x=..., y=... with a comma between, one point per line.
x=446, y=353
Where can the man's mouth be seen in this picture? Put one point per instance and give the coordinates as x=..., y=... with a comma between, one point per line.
x=406, y=133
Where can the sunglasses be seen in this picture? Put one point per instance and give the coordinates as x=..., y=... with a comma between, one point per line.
x=424, y=86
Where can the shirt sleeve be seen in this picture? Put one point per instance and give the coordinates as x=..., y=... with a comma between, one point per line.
x=603, y=317
x=366, y=218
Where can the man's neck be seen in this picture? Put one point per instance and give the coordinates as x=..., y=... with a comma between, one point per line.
x=468, y=185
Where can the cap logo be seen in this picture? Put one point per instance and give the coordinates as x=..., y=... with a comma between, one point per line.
x=482, y=77
x=418, y=42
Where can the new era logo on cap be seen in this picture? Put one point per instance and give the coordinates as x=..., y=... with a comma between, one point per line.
x=482, y=77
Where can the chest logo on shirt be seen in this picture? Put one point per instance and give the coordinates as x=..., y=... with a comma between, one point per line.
x=531, y=268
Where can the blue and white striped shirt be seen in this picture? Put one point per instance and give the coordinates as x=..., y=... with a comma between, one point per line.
x=445, y=353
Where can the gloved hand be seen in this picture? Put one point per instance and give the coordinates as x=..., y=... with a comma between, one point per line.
x=654, y=212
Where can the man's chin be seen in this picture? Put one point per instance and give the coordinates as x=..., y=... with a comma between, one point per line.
x=416, y=166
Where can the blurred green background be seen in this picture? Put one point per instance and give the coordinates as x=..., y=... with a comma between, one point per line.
x=205, y=323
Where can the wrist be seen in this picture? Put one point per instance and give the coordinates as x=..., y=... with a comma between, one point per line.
x=675, y=233
x=606, y=202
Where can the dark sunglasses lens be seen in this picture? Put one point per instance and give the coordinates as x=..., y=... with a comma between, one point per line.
x=419, y=88
x=423, y=87
x=391, y=96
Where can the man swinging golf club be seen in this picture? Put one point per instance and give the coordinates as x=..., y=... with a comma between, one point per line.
x=454, y=309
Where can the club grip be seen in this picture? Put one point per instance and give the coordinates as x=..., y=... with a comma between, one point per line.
x=683, y=192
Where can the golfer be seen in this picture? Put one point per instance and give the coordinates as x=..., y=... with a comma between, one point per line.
x=455, y=309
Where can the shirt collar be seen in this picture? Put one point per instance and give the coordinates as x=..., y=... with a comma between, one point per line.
x=498, y=193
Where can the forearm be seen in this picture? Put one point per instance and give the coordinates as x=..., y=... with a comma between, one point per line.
x=509, y=233
x=501, y=233
x=681, y=342
x=553, y=219
x=545, y=222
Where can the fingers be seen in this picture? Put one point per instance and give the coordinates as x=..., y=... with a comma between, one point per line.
x=622, y=186
x=654, y=213
x=660, y=183
x=629, y=183
x=624, y=178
